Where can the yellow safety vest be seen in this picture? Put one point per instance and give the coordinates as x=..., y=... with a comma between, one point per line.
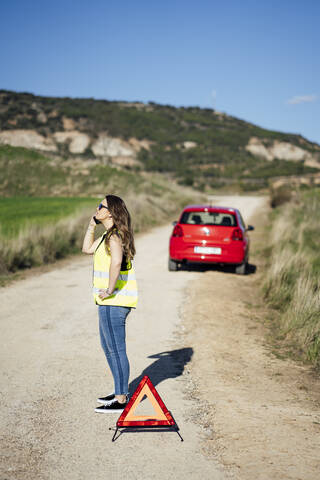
x=125, y=293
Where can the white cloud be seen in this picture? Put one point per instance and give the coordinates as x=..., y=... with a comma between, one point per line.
x=302, y=99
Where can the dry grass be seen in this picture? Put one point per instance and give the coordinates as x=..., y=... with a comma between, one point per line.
x=37, y=245
x=293, y=277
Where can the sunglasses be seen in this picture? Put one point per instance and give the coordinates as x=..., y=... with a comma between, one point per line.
x=102, y=206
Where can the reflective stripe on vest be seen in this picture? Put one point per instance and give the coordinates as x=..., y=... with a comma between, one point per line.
x=125, y=292
x=122, y=276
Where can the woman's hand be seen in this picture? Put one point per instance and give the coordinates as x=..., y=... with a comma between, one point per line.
x=92, y=223
x=103, y=293
x=89, y=244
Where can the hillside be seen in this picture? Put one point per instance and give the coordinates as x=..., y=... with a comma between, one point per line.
x=202, y=148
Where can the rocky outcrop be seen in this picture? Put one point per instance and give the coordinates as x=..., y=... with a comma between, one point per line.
x=78, y=142
x=27, y=139
x=138, y=144
x=107, y=146
x=257, y=148
x=42, y=117
x=121, y=152
x=186, y=145
x=281, y=150
x=124, y=152
x=125, y=161
x=287, y=151
x=68, y=123
x=189, y=144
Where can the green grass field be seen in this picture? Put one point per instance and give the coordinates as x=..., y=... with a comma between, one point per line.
x=17, y=213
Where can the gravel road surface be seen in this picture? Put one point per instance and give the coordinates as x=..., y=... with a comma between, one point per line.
x=53, y=369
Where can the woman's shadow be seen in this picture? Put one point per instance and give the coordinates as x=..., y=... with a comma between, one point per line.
x=168, y=364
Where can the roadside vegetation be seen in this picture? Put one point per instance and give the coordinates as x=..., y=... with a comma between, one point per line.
x=292, y=283
x=37, y=230
x=46, y=241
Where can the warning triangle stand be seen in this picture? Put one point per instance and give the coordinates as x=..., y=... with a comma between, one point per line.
x=162, y=417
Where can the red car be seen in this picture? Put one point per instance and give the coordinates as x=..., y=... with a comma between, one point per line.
x=207, y=234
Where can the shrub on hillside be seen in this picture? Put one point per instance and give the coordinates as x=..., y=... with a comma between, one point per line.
x=280, y=195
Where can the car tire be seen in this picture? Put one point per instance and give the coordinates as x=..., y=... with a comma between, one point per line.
x=242, y=268
x=172, y=265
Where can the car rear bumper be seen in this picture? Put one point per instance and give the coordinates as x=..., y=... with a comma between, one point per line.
x=234, y=253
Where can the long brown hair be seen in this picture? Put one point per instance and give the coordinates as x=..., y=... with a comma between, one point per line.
x=122, y=222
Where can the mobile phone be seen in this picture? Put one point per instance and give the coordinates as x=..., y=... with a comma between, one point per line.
x=96, y=220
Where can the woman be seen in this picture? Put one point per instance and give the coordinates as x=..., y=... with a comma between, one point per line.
x=114, y=291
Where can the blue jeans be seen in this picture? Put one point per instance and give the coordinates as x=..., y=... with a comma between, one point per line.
x=112, y=327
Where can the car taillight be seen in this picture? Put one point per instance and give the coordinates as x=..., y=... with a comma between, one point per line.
x=177, y=231
x=237, y=234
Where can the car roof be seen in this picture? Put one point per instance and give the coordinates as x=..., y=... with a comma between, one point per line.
x=218, y=208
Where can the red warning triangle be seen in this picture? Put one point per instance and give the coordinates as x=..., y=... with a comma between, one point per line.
x=162, y=415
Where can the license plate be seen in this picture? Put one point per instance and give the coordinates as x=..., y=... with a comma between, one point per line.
x=208, y=250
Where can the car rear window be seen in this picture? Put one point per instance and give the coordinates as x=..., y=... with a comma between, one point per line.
x=209, y=218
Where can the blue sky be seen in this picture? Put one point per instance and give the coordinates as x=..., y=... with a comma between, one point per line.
x=256, y=60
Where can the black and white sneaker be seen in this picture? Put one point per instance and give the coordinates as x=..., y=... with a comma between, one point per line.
x=106, y=400
x=112, y=407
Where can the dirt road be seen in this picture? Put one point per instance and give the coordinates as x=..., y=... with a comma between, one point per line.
x=53, y=369
x=260, y=414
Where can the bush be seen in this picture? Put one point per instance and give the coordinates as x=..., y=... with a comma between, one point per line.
x=280, y=195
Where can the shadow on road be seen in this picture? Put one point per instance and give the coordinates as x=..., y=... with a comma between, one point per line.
x=168, y=364
x=199, y=267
